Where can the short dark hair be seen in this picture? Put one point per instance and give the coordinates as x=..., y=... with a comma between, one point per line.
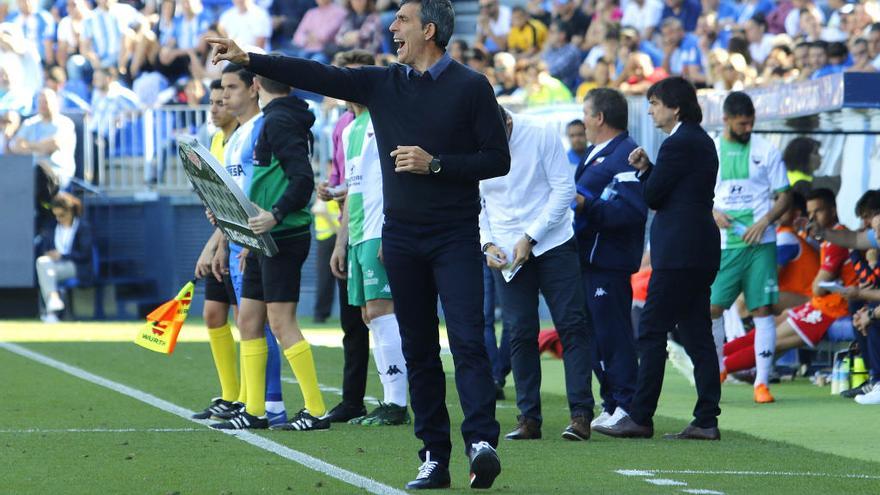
x=518, y=8
x=874, y=27
x=439, y=13
x=798, y=202
x=823, y=194
x=274, y=87
x=739, y=104
x=820, y=44
x=611, y=104
x=837, y=49
x=760, y=20
x=574, y=123
x=678, y=92
x=246, y=76
x=215, y=84
x=796, y=155
x=69, y=202
x=868, y=204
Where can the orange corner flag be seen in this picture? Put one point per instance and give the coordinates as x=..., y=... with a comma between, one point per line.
x=163, y=324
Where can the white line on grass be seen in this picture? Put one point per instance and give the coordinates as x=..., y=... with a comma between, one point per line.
x=700, y=491
x=665, y=482
x=649, y=472
x=106, y=430
x=306, y=460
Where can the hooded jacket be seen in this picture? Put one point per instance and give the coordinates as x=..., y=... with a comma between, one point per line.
x=283, y=178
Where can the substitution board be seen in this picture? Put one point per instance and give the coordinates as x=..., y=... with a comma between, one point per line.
x=222, y=196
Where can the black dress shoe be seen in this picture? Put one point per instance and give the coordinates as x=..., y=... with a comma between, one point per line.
x=432, y=475
x=526, y=429
x=692, y=432
x=343, y=412
x=578, y=429
x=625, y=428
x=485, y=465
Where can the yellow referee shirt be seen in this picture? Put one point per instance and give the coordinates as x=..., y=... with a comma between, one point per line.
x=218, y=145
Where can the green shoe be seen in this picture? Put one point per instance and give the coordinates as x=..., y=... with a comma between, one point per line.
x=384, y=415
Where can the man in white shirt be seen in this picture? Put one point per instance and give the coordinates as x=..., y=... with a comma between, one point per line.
x=493, y=25
x=643, y=15
x=50, y=137
x=526, y=232
x=760, y=41
x=247, y=24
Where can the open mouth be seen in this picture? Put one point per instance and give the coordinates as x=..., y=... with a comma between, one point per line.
x=400, y=43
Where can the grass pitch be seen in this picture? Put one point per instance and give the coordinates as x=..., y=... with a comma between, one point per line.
x=63, y=434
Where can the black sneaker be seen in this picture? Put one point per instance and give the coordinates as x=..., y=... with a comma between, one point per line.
x=857, y=391
x=384, y=415
x=432, y=475
x=485, y=465
x=243, y=421
x=218, y=406
x=343, y=413
x=234, y=408
x=303, y=421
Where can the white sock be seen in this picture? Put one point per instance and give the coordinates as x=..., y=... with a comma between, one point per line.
x=274, y=407
x=393, y=369
x=718, y=336
x=765, y=348
x=377, y=351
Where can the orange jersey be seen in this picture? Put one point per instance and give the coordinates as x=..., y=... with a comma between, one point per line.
x=797, y=275
x=835, y=260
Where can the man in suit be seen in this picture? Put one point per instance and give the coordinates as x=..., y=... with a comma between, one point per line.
x=685, y=253
x=610, y=227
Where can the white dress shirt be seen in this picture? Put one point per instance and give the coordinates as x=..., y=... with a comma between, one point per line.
x=534, y=198
x=597, y=149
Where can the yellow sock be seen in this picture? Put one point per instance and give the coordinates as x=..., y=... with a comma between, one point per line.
x=254, y=353
x=242, y=388
x=303, y=364
x=223, y=350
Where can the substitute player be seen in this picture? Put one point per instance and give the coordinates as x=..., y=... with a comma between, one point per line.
x=241, y=99
x=750, y=173
x=368, y=286
x=219, y=294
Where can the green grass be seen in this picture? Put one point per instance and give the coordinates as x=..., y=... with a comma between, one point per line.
x=806, y=431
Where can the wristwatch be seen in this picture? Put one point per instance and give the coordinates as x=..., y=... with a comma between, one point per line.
x=434, y=166
x=487, y=246
x=529, y=238
x=277, y=215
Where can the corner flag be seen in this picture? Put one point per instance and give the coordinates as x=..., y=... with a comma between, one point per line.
x=163, y=325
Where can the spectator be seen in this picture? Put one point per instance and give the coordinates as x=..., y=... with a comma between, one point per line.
x=111, y=104
x=537, y=10
x=480, y=61
x=801, y=56
x=572, y=19
x=632, y=43
x=538, y=87
x=734, y=74
x=681, y=51
x=249, y=24
x=361, y=29
x=22, y=64
x=102, y=33
x=643, y=15
x=493, y=26
x=526, y=36
x=726, y=12
x=66, y=252
x=180, y=43
x=779, y=66
x=874, y=44
x=751, y=7
x=14, y=98
x=50, y=137
x=860, y=56
x=639, y=74
x=318, y=27
x=562, y=58
x=835, y=60
x=598, y=77
x=792, y=20
x=802, y=159
x=817, y=58
x=70, y=30
x=505, y=74
x=686, y=11
x=286, y=16
x=760, y=41
x=577, y=141
x=458, y=50
x=38, y=28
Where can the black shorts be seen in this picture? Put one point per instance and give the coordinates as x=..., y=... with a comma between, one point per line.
x=276, y=279
x=221, y=292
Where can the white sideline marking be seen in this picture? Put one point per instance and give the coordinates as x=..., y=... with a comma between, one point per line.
x=665, y=482
x=106, y=430
x=634, y=472
x=306, y=460
x=700, y=491
x=765, y=473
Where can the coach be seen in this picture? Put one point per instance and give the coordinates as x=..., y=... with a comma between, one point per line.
x=610, y=226
x=685, y=254
x=439, y=132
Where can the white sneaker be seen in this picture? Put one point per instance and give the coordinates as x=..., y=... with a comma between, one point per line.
x=54, y=304
x=600, y=419
x=619, y=414
x=682, y=362
x=50, y=318
x=871, y=398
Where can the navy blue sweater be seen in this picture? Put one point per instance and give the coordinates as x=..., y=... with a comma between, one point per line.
x=455, y=117
x=611, y=234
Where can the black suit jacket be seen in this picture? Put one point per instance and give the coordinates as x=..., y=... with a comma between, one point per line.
x=80, y=252
x=681, y=188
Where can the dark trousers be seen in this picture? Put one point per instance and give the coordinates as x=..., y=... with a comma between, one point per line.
x=499, y=352
x=355, y=350
x=422, y=262
x=325, y=288
x=556, y=275
x=677, y=297
x=609, y=308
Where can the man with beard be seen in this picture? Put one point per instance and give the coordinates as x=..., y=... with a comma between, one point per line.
x=750, y=174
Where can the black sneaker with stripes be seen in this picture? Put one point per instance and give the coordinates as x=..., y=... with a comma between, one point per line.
x=228, y=414
x=303, y=421
x=218, y=406
x=243, y=421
